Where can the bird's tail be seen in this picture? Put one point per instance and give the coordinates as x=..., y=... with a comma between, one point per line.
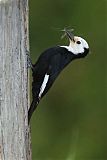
x=32, y=109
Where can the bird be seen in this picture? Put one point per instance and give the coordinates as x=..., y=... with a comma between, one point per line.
x=50, y=64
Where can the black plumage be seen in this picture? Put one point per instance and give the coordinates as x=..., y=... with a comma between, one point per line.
x=51, y=62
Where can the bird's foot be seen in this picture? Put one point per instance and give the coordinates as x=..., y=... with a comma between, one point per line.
x=29, y=62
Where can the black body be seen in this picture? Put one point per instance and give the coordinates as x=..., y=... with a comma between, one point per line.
x=51, y=62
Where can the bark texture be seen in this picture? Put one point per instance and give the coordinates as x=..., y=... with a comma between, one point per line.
x=14, y=100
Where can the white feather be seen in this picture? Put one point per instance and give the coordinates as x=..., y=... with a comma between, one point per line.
x=43, y=86
x=77, y=48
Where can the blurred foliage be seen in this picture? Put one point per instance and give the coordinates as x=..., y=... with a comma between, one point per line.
x=70, y=123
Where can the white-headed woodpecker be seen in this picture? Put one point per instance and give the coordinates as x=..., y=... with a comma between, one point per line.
x=50, y=63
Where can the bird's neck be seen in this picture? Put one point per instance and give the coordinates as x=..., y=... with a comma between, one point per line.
x=69, y=48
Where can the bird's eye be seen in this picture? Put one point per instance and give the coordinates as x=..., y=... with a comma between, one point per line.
x=78, y=42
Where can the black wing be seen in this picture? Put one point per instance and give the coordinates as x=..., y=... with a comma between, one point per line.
x=57, y=62
x=45, y=71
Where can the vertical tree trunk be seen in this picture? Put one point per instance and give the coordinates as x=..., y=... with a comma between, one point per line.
x=14, y=134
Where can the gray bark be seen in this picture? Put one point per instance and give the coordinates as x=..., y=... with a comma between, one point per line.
x=14, y=100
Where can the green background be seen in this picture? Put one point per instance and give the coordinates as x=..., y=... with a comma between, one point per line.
x=70, y=122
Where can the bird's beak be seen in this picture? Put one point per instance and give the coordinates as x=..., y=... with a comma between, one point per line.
x=70, y=35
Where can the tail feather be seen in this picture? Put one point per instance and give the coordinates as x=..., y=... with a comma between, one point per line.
x=32, y=109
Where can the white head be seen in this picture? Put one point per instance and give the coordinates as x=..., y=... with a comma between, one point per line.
x=78, y=46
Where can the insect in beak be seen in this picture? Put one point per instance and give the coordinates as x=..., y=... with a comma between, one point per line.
x=69, y=34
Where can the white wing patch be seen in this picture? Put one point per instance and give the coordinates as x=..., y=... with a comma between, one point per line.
x=46, y=78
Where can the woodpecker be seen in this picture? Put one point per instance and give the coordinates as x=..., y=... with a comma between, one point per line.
x=50, y=63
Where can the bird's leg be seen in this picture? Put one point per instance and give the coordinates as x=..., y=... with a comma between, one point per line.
x=29, y=62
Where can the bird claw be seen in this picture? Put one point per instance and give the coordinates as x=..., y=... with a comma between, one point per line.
x=29, y=62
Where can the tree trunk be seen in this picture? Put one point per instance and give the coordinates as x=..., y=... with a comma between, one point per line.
x=14, y=99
